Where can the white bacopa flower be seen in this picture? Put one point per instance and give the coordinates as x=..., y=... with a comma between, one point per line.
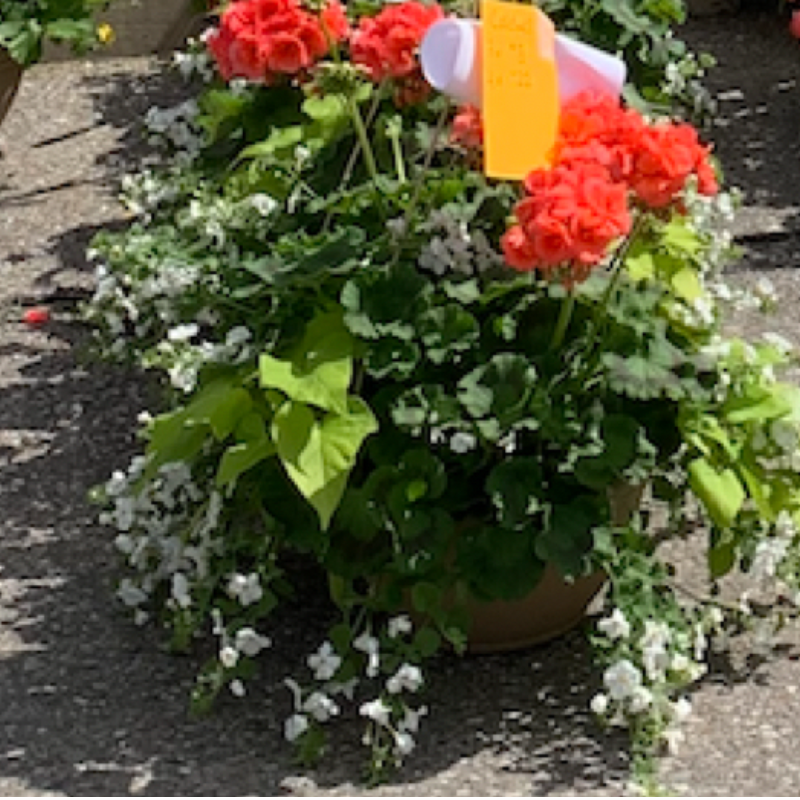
x=407, y=678
x=183, y=333
x=672, y=739
x=249, y=642
x=622, y=679
x=320, y=706
x=462, y=442
x=377, y=711
x=237, y=688
x=411, y=718
x=640, y=700
x=245, y=588
x=295, y=726
x=370, y=645
x=228, y=657
x=615, y=626
x=180, y=590
x=398, y=626
x=124, y=513
x=237, y=336
x=262, y=203
x=654, y=641
x=599, y=704
x=325, y=662
x=117, y=484
x=131, y=594
x=681, y=710
x=403, y=743
x=767, y=558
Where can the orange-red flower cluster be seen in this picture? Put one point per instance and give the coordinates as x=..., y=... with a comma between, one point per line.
x=263, y=39
x=606, y=156
x=567, y=220
x=386, y=45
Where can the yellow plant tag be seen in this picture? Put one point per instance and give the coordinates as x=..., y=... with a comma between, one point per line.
x=520, y=88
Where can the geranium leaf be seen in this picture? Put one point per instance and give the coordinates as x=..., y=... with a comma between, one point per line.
x=515, y=486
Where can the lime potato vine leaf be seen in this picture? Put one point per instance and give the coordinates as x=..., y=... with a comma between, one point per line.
x=318, y=454
x=320, y=369
x=720, y=491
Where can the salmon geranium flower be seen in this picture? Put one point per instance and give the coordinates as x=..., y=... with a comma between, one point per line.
x=261, y=40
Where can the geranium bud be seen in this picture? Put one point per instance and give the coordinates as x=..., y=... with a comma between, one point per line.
x=36, y=316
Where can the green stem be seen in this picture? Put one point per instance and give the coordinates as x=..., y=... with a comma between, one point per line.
x=621, y=255
x=399, y=161
x=363, y=138
x=562, y=323
x=420, y=178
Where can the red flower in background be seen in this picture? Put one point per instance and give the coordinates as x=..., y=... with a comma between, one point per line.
x=387, y=45
x=605, y=157
x=262, y=39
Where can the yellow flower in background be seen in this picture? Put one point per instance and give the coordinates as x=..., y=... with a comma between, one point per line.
x=105, y=33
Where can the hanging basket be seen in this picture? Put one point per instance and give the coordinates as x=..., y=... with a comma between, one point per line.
x=10, y=77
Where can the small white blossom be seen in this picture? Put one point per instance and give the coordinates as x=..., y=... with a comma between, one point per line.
x=398, y=626
x=249, y=642
x=368, y=644
x=131, y=594
x=622, y=679
x=407, y=678
x=295, y=727
x=768, y=556
x=183, y=333
x=411, y=718
x=237, y=688
x=262, y=203
x=180, y=590
x=245, y=588
x=672, y=739
x=640, y=700
x=325, y=662
x=462, y=442
x=403, y=743
x=615, y=626
x=320, y=706
x=681, y=710
x=655, y=656
x=228, y=657
x=376, y=710
x=599, y=704
x=237, y=336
